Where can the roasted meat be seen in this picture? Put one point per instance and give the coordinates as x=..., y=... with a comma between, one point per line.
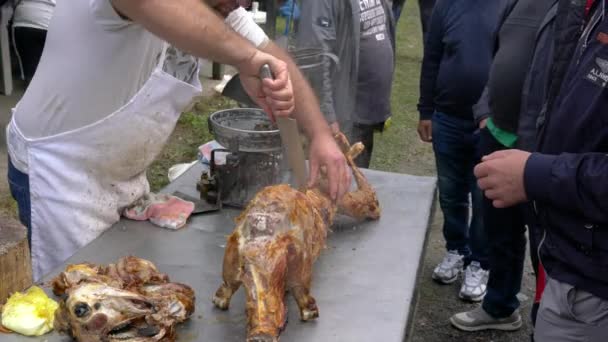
x=127, y=301
x=277, y=239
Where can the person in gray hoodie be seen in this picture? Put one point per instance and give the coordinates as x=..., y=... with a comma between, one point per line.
x=356, y=82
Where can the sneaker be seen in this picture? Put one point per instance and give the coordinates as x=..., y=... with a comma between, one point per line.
x=478, y=319
x=475, y=282
x=449, y=268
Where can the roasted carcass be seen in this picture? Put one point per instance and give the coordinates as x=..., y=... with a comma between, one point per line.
x=277, y=239
x=127, y=301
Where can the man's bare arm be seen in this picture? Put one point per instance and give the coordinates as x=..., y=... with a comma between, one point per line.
x=191, y=26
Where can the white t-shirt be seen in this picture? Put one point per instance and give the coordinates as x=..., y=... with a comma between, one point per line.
x=94, y=62
x=34, y=13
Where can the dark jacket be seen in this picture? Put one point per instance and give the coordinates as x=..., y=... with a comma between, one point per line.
x=501, y=99
x=458, y=53
x=568, y=177
x=334, y=27
x=536, y=85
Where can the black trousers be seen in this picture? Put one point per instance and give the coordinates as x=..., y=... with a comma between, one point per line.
x=506, y=231
x=29, y=43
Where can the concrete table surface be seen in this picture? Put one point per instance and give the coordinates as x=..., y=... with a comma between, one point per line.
x=364, y=282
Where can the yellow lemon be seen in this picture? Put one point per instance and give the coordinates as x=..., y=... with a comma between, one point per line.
x=31, y=313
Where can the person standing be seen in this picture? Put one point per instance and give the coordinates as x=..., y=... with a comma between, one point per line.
x=356, y=89
x=498, y=114
x=30, y=24
x=566, y=179
x=111, y=84
x=457, y=57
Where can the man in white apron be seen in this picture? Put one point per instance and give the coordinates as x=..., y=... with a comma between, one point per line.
x=105, y=98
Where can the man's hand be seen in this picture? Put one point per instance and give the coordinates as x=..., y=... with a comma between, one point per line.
x=425, y=130
x=325, y=152
x=275, y=97
x=501, y=176
x=483, y=123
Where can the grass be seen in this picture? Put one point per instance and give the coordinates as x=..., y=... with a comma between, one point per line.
x=399, y=149
x=190, y=132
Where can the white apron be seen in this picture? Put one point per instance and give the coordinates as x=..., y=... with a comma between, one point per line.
x=81, y=180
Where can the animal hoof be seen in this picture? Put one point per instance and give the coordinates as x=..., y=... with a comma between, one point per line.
x=262, y=338
x=221, y=303
x=308, y=314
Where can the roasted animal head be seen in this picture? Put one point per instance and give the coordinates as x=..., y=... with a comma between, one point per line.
x=127, y=301
x=97, y=312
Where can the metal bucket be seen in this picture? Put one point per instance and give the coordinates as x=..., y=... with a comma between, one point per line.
x=245, y=130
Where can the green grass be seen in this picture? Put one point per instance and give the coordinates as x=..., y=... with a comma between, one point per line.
x=191, y=132
x=399, y=149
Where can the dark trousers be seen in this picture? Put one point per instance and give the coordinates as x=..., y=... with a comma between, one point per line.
x=506, y=237
x=19, y=184
x=365, y=134
x=456, y=147
x=29, y=43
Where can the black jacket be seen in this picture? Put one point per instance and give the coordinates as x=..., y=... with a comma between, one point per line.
x=458, y=53
x=536, y=85
x=568, y=177
x=501, y=99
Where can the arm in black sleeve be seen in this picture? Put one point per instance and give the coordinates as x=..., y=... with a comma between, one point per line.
x=433, y=53
x=571, y=182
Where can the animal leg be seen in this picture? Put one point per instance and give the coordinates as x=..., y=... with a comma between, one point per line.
x=306, y=303
x=300, y=279
x=231, y=270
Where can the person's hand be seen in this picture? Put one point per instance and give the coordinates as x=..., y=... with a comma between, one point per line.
x=501, y=176
x=275, y=97
x=425, y=130
x=334, y=127
x=483, y=123
x=325, y=152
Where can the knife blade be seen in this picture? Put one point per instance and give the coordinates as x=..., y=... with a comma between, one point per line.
x=290, y=137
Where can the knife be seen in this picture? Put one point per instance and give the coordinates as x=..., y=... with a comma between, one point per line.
x=290, y=136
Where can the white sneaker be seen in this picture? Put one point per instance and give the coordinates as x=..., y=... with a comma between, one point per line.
x=475, y=283
x=449, y=268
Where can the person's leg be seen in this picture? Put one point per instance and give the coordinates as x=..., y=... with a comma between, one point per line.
x=29, y=43
x=450, y=149
x=19, y=184
x=397, y=8
x=476, y=274
x=506, y=241
x=426, y=10
x=567, y=314
x=365, y=135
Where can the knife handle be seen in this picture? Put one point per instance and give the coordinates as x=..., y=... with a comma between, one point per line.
x=266, y=72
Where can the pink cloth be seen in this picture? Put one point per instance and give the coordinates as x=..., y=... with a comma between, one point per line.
x=161, y=209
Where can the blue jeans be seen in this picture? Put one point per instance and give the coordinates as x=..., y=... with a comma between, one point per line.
x=506, y=231
x=19, y=184
x=456, y=142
